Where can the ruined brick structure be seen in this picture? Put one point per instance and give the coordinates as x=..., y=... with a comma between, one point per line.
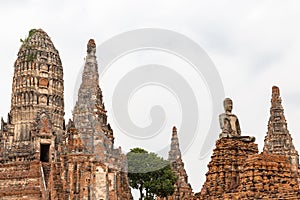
x=183, y=189
x=91, y=144
x=40, y=157
x=237, y=171
x=278, y=140
x=224, y=168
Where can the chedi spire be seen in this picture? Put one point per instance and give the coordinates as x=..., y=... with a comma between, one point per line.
x=89, y=112
x=278, y=139
x=174, y=152
x=183, y=189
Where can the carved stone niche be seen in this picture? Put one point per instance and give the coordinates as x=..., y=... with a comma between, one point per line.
x=44, y=67
x=43, y=100
x=44, y=124
x=43, y=82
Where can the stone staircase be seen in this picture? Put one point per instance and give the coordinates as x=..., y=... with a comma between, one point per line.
x=58, y=185
x=46, y=169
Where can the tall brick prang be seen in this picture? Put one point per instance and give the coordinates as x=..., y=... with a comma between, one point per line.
x=183, y=189
x=89, y=113
x=35, y=125
x=278, y=140
x=90, y=144
x=37, y=85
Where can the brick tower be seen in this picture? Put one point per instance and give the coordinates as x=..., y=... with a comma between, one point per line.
x=278, y=140
x=183, y=189
x=30, y=138
x=38, y=85
x=89, y=112
x=36, y=117
x=94, y=169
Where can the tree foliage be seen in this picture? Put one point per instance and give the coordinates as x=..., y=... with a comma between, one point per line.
x=150, y=173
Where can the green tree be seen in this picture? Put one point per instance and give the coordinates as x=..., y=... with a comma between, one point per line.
x=150, y=173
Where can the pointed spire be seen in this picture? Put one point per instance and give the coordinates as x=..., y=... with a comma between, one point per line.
x=174, y=152
x=89, y=88
x=182, y=187
x=89, y=112
x=278, y=139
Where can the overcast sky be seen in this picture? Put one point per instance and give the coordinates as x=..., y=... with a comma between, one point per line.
x=253, y=44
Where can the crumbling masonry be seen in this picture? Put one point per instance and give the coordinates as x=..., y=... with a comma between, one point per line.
x=237, y=171
x=40, y=157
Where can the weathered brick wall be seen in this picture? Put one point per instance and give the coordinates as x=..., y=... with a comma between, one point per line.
x=20, y=180
x=268, y=176
x=236, y=171
x=225, y=166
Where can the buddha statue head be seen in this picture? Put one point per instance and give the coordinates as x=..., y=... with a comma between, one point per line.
x=227, y=105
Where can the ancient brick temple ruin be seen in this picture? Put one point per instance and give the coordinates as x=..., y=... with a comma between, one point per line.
x=238, y=171
x=40, y=156
x=183, y=189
